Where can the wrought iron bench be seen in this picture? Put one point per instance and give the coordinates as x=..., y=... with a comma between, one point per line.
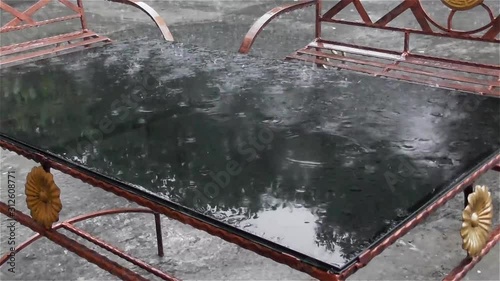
x=83, y=37
x=387, y=61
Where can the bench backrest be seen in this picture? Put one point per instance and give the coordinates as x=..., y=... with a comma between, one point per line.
x=35, y=16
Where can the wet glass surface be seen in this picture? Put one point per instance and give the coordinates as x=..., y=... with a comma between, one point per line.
x=318, y=161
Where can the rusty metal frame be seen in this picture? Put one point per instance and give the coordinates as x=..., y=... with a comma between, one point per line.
x=69, y=225
x=63, y=43
x=404, y=65
x=85, y=176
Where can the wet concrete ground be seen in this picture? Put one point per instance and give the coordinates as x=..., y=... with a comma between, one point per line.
x=427, y=253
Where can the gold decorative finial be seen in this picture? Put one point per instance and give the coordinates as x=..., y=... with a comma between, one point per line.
x=477, y=220
x=462, y=5
x=43, y=197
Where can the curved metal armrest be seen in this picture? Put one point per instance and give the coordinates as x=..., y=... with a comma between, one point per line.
x=259, y=25
x=160, y=22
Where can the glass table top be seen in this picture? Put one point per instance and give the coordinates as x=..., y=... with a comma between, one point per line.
x=321, y=162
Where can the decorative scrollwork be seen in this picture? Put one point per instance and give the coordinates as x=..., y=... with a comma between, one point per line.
x=462, y=5
x=43, y=197
x=477, y=220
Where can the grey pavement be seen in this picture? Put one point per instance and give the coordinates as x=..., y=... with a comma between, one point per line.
x=426, y=253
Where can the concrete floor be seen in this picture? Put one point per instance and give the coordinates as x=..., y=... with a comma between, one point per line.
x=427, y=253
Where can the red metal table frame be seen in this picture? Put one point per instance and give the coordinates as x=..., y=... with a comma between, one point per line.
x=405, y=65
x=156, y=208
x=126, y=274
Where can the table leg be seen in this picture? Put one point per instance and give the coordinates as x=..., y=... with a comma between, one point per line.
x=159, y=237
x=468, y=190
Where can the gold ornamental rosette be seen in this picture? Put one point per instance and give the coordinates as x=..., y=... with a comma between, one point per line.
x=477, y=220
x=462, y=5
x=43, y=197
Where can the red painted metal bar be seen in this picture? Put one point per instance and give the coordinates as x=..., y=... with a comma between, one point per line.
x=323, y=62
x=174, y=214
x=123, y=211
x=317, y=27
x=394, y=13
x=6, y=7
x=420, y=16
x=497, y=168
x=247, y=244
x=488, y=87
x=76, y=8
x=337, y=8
x=37, y=236
x=107, y=213
x=159, y=237
x=481, y=90
x=83, y=18
x=259, y=25
x=29, y=12
x=25, y=16
x=494, y=30
x=38, y=23
x=13, y=25
x=454, y=78
x=458, y=33
x=392, y=66
x=73, y=246
x=17, y=52
x=119, y=253
x=415, y=31
x=25, y=244
x=362, y=12
x=480, y=68
x=468, y=263
x=450, y=65
x=36, y=42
